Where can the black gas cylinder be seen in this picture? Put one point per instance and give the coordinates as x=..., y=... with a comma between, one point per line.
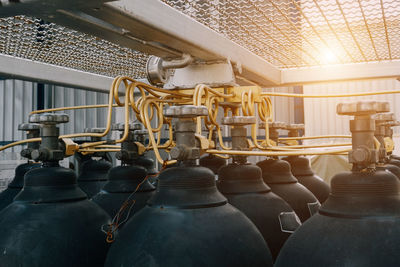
x=122, y=182
x=127, y=188
x=244, y=188
x=212, y=162
x=147, y=163
x=189, y=223
x=394, y=161
x=301, y=169
x=7, y=196
x=380, y=131
x=93, y=175
x=358, y=225
x=395, y=157
x=393, y=167
x=13, y=188
x=277, y=175
x=52, y=223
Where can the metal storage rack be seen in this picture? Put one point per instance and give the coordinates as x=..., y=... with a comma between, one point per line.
x=270, y=43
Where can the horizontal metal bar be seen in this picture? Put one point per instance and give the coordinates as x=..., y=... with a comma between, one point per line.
x=156, y=22
x=18, y=68
x=24, y=69
x=330, y=73
x=155, y=28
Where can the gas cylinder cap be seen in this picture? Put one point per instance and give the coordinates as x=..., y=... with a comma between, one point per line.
x=186, y=111
x=239, y=120
x=49, y=118
x=141, y=132
x=94, y=130
x=362, y=108
x=121, y=126
x=390, y=123
x=274, y=125
x=384, y=117
x=382, y=107
x=29, y=127
x=295, y=126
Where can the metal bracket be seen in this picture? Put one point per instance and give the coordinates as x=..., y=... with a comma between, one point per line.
x=160, y=70
x=70, y=147
x=203, y=142
x=212, y=74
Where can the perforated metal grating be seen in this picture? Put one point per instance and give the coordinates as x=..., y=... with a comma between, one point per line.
x=298, y=33
x=31, y=38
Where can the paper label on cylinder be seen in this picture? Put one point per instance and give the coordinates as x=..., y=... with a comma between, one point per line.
x=289, y=221
x=313, y=207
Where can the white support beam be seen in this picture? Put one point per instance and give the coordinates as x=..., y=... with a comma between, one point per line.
x=155, y=28
x=156, y=23
x=24, y=69
x=347, y=72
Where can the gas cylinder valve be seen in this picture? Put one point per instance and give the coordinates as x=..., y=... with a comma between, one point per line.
x=294, y=131
x=130, y=148
x=32, y=131
x=140, y=135
x=187, y=147
x=239, y=133
x=389, y=143
x=380, y=133
x=364, y=153
x=273, y=128
x=50, y=148
x=388, y=127
x=83, y=156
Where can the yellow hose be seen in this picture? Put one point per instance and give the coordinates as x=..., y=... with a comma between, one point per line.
x=99, y=150
x=314, y=137
x=280, y=153
x=108, y=146
x=318, y=146
x=31, y=140
x=327, y=96
x=71, y=108
x=115, y=82
x=151, y=103
x=146, y=106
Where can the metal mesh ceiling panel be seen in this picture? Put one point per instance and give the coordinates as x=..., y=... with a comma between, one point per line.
x=33, y=39
x=299, y=33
